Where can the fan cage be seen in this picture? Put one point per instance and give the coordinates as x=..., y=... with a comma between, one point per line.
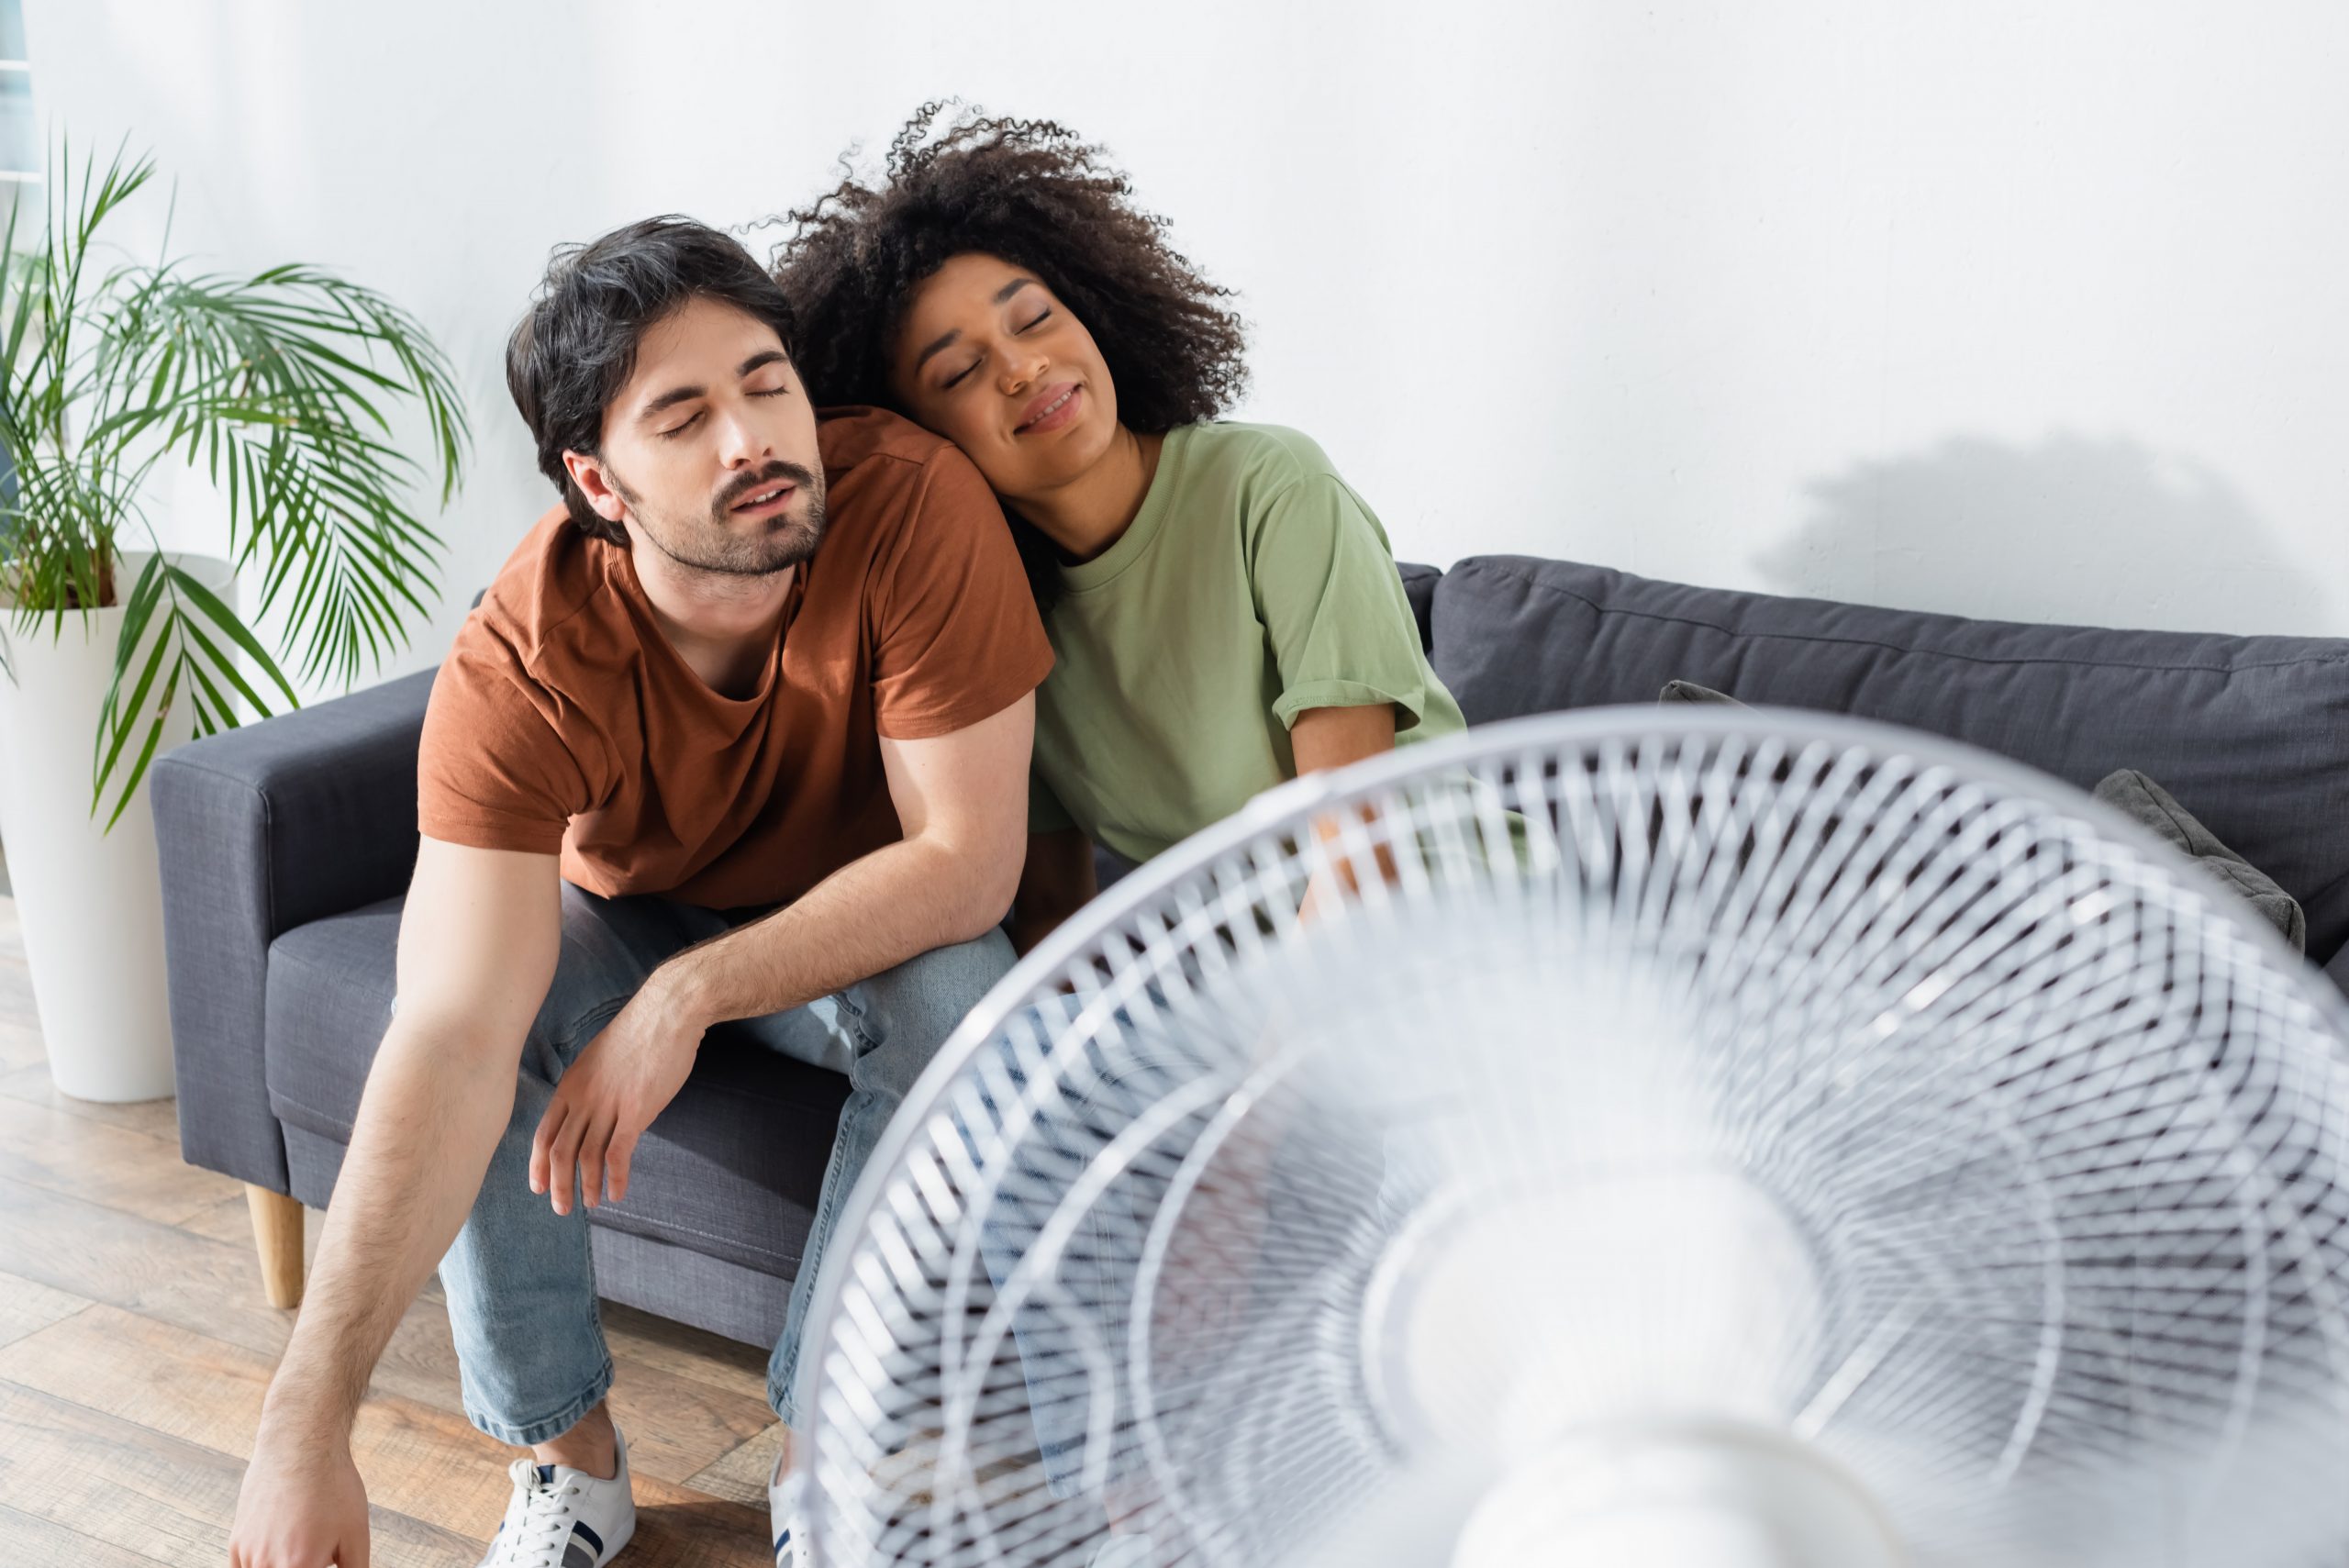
x=2054, y=1130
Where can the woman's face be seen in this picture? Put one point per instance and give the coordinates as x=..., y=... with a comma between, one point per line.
x=989, y=358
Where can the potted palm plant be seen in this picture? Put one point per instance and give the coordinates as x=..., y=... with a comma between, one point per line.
x=115, y=373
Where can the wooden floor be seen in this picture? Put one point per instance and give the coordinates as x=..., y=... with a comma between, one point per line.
x=135, y=1345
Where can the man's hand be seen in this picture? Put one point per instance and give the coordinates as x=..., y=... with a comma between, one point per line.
x=610, y=1094
x=302, y=1504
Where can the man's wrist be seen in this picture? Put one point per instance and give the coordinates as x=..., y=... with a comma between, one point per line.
x=305, y=1411
x=685, y=994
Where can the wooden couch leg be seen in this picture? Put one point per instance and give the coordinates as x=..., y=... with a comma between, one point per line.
x=277, y=1231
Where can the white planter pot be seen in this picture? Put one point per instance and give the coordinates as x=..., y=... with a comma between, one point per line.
x=90, y=901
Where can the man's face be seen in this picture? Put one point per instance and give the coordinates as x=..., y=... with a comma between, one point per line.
x=710, y=450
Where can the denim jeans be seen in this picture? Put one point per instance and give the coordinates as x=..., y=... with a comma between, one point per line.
x=520, y=1279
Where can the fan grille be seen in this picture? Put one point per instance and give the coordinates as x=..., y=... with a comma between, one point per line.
x=1792, y=1072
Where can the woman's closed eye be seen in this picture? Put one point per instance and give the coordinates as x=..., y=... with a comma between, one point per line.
x=1029, y=325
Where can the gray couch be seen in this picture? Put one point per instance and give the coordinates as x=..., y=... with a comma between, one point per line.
x=287, y=847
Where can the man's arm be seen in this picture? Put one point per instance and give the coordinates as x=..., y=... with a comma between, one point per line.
x=962, y=800
x=479, y=939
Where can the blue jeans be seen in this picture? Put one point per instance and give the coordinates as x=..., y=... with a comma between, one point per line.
x=520, y=1279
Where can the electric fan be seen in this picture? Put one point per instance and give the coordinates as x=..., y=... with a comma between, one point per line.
x=1728, y=1139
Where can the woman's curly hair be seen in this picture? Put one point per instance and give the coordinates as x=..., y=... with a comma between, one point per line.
x=1042, y=198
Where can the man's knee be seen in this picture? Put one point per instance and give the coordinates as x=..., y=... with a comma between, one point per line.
x=611, y=948
x=916, y=1006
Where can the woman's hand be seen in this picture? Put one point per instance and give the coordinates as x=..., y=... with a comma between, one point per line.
x=610, y=1094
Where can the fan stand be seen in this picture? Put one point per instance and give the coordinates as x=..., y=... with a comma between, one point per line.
x=1475, y=1340
x=1700, y=1496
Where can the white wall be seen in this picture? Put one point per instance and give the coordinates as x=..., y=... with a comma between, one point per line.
x=2007, y=310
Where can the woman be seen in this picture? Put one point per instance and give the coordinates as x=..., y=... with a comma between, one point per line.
x=1225, y=608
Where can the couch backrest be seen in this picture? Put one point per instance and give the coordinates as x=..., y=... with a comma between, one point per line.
x=2250, y=733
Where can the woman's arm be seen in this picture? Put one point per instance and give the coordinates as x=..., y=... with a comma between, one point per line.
x=1331, y=737
x=1057, y=882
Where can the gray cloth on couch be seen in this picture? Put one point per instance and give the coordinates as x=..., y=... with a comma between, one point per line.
x=2155, y=809
x=1691, y=692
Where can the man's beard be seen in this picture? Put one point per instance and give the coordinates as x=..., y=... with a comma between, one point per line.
x=710, y=543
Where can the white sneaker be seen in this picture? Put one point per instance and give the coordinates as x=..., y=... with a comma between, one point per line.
x=562, y=1517
x=786, y=1520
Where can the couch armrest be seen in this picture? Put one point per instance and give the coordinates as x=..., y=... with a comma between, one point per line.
x=259, y=830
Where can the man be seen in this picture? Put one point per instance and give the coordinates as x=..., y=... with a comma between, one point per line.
x=740, y=732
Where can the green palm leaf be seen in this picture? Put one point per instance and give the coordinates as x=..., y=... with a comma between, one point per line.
x=303, y=396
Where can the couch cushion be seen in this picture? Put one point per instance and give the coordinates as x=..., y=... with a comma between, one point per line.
x=731, y=1168
x=2251, y=733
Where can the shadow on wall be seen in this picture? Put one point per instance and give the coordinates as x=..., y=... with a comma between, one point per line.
x=2088, y=532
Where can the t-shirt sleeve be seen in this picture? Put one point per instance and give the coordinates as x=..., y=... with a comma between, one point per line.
x=1341, y=627
x=958, y=636
x=493, y=771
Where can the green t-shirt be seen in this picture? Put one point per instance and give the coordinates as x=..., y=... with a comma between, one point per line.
x=1252, y=586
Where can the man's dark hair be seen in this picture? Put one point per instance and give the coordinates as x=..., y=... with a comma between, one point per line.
x=572, y=352
x=1042, y=198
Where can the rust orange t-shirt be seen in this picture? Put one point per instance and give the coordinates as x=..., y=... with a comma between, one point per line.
x=563, y=720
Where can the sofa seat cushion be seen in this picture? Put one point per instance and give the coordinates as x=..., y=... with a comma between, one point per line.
x=2251, y=733
x=731, y=1168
